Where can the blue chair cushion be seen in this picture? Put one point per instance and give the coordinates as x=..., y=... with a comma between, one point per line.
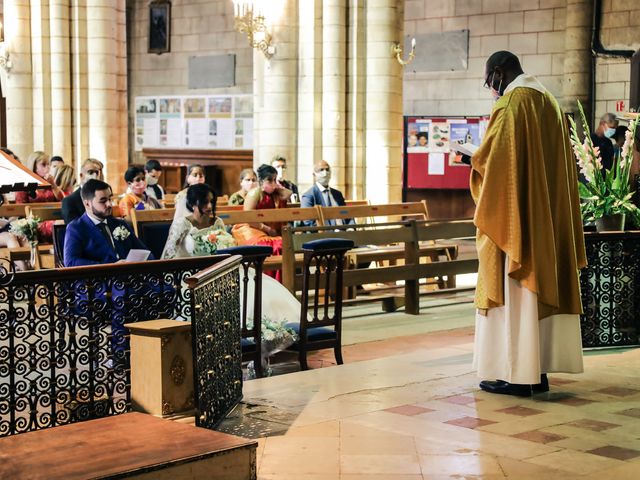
x=247, y=345
x=314, y=334
x=154, y=235
x=247, y=250
x=328, y=244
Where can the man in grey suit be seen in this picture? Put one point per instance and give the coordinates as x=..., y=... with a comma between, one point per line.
x=323, y=195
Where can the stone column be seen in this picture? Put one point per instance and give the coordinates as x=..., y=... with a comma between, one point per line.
x=309, y=147
x=355, y=134
x=334, y=32
x=577, y=63
x=41, y=72
x=383, y=121
x=17, y=34
x=79, y=86
x=275, y=92
x=106, y=97
x=60, y=79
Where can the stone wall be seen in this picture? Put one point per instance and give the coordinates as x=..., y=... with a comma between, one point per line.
x=198, y=28
x=620, y=30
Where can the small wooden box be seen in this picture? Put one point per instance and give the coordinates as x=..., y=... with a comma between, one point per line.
x=162, y=367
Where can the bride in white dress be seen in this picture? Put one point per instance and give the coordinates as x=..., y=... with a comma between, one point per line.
x=200, y=232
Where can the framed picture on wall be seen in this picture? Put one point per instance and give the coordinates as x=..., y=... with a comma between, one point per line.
x=159, y=26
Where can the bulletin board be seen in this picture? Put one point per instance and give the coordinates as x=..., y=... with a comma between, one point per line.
x=428, y=160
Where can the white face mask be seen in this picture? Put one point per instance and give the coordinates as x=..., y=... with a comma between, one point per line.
x=609, y=132
x=151, y=180
x=323, y=177
x=280, y=171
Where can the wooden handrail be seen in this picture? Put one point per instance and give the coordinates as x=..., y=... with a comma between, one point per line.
x=213, y=271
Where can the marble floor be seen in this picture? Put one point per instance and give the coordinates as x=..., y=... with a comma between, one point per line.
x=407, y=406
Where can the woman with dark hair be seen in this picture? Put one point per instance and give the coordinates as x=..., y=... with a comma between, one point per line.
x=195, y=175
x=248, y=182
x=200, y=232
x=136, y=197
x=267, y=195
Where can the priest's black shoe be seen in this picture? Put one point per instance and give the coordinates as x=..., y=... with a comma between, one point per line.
x=543, y=386
x=506, y=388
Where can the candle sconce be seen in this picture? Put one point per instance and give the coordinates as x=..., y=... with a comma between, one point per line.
x=397, y=50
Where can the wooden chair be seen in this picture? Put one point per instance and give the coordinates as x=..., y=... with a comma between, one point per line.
x=322, y=279
x=152, y=228
x=8, y=210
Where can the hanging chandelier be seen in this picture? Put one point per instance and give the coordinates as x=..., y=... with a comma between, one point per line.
x=250, y=19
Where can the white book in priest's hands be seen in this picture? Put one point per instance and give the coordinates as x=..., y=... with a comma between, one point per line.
x=137, y=255
x=465, y=148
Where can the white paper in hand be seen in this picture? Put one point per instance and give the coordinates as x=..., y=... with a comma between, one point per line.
x=466, y=148
x=138, y=255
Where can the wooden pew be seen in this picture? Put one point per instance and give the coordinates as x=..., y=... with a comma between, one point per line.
x=8, y=210
x=407, y=235
x=139, y=217
x=397, y=212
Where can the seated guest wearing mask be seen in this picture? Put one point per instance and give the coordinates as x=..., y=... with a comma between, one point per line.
x=602, y=138
x=248, y=181
x=96, y=237
x=136, y=197
x=280, y=164
x=153, y=170
x=72, y=206
x=323, y=195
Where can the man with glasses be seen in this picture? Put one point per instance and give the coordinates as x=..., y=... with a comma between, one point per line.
x=529, y=237
x=72, y=206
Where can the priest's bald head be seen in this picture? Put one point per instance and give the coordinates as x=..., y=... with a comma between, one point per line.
x=501, y=69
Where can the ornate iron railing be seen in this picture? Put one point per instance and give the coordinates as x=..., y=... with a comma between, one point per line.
x=63, y=348
x=215, y=334
x=609, y=290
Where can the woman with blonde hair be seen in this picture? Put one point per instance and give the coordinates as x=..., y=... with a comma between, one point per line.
x=39, y=163
x=65, y=178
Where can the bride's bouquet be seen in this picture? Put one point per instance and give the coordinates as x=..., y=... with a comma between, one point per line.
x=209, y=242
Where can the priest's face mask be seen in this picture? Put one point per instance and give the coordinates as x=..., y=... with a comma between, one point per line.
x=490, y=83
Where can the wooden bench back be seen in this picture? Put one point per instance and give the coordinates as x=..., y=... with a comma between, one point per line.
x=280, y=215
x=355, y=203
x=44, y=213
x=20, y=209
x=397, y=211
x=155, y=215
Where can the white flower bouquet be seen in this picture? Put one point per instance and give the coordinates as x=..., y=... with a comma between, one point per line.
x=210, y=242
x=606, y=193
x=27, y=228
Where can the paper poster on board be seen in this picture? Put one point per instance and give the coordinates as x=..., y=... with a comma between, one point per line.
x=439, y=137
x=418, y=136
x=462, y=133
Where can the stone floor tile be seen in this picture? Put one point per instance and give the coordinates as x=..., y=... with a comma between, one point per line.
x=618, y=391
x=409, y=410
x=590, y=424
x=368, y=445
x=322, y=429
x=460, y=465
x=383, y=476
x=379, y=464
x=521, y=411
x=293, y=445
x=576, y=462
x=539, y=436
x=285, y=463
x=296, y=476
x=630, y=412
x=469, y=422
x=619, y=453
x=462, y=399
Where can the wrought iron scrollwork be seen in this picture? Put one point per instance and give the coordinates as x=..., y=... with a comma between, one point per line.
x=216, y=343
x=609, y=284
x=64, y=353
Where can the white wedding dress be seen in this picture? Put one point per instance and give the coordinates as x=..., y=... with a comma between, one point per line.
x=279, y=306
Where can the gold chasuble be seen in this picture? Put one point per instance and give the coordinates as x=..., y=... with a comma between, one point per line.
x=525, y=187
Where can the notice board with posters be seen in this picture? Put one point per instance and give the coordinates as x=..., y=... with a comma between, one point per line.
x=428, y=160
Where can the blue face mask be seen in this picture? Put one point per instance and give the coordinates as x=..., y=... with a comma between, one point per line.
x=609, y=132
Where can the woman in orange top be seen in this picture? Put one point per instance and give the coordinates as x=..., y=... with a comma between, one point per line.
x=136, y=197
x=267, y=195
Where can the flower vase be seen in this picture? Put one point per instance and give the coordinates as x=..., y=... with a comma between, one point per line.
x=610, y=223
x=34, y=253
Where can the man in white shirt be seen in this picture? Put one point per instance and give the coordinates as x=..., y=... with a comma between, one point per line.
x=323, y=195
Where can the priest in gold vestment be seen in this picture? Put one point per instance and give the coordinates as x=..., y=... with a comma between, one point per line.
x=529, y=237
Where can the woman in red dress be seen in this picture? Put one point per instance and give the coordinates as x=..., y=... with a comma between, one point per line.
x=40, y=164
x=267, y=195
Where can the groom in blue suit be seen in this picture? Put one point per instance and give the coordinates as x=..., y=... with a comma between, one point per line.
x=322, y=194
x=96, y=237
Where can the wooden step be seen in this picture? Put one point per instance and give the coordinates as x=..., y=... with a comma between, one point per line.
x=134, y=445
